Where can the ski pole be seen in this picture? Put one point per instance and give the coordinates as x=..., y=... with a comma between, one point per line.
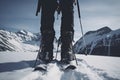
x=76, y=60
x=57, y=51
x=59, y=41
x=38, y=54
x=78, y=7
x=36, y=60
x=75, y=56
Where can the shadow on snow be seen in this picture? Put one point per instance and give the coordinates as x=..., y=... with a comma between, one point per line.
x=11, y=66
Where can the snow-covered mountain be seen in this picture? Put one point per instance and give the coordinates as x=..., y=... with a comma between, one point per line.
x=18, y=41
x=100, y=42
x=27, y=36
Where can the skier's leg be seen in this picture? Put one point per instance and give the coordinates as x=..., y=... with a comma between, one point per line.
x=47, y=31
x=67, y=30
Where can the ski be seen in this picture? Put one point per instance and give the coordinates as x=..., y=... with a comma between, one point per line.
x=70, y=67
x=41, y=68
x=66, y=67
x=63, y=67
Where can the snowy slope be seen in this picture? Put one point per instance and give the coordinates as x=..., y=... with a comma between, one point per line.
x=19, y=41
x=18, y=66
x=103, y=41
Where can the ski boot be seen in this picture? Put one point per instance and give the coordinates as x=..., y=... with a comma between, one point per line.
x=67, y=56
x=46, y=54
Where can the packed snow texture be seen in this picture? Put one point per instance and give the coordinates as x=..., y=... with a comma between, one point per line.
x=18, y=66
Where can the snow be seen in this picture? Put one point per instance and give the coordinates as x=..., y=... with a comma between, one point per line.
x=108, y=65
x=18, y=66
x=21, y=41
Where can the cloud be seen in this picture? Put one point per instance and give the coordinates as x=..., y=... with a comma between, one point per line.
x=99, y=12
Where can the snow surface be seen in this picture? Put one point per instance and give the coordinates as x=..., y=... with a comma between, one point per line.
x=18, y=66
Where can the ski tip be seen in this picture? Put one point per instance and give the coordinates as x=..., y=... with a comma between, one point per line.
x=40, y=69
x=71, y=67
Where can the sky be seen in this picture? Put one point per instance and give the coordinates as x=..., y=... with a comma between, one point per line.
x=95, y=14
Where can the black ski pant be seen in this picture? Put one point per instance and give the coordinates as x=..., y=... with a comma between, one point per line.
x=67, y=31
x=47, y=23
x=67, y=23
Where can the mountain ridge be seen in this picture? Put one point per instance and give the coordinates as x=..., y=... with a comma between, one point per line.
x=16, y=41
x=103, y=41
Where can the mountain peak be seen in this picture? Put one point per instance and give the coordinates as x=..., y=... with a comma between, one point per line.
x=24, y=32
x=100, y=31
x=105, y=29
